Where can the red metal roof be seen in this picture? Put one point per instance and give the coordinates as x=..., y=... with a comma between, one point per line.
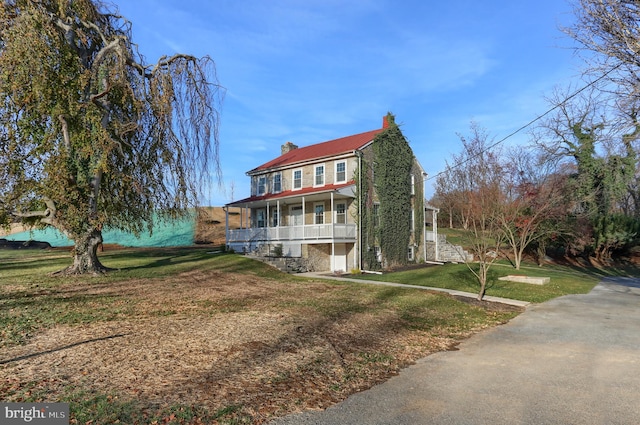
x=290, y=193
x=320, y=150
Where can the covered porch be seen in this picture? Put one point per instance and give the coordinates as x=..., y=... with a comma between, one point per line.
x=293, y=220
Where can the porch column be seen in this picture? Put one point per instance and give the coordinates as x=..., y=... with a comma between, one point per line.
x=303, y=218
x=226, y=227
x=434, y=215
x=279, y=219
x=424, y=231
x=333, y=219
x=267, y=230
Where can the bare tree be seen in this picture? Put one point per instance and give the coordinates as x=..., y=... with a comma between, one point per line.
x=610, y=29
x=455, y=183
x=534, y=206
x=597, y=137
x=481, y=174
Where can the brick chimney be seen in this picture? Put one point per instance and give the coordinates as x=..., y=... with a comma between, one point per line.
x=385, y=122
x=287, y=147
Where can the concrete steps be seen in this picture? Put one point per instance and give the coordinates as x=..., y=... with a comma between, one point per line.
x=450, y=253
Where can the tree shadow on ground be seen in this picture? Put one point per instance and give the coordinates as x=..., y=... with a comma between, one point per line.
x=64, y=347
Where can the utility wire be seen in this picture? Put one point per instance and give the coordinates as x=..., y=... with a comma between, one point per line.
x=539, y=117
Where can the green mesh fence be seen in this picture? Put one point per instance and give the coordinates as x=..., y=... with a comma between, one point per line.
x=174, y=233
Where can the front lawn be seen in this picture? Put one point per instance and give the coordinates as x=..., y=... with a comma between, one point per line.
x=189, y=336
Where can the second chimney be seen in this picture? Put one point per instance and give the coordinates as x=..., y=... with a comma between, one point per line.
x=287, y=147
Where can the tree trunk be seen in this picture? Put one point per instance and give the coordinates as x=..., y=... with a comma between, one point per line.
x=517, y=258
x=482, y=278
x=85, y=255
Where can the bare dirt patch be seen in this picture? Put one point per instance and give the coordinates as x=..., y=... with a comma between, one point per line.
x=213, y=339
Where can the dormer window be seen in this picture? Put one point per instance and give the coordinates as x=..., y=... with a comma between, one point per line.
x=319, y=175
x=341, y=172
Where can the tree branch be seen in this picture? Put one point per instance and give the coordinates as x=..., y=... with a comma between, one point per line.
x=65, y=132
x=47, y=216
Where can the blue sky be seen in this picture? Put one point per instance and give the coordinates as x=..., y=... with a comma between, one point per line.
x=308, y=71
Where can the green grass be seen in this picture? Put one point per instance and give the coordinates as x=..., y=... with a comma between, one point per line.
x=98, y=408
x=454, y=236
x=564, y=280
x=32, y=268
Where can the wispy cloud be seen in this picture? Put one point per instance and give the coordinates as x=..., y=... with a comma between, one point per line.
x=314, y=70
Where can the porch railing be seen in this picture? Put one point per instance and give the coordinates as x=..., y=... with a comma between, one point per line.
x=294, y=233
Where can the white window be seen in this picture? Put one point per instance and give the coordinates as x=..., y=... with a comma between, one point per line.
x=262, y=185
x=274, y=217
x=413, y=184
x=277, y=183
x=411, y=253
x=319, y=213
x=341, y=213
x=341, y=172
x=260, y=222
x=319, y=175
x=297, y=179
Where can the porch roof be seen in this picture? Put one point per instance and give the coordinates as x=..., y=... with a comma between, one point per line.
x=343, y=190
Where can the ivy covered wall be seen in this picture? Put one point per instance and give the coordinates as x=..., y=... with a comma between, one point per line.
x=387, y=195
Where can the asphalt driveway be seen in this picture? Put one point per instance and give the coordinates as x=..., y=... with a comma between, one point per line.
x=572, y=360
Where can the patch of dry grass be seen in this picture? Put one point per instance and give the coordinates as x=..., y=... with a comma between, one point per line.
x=248, y=347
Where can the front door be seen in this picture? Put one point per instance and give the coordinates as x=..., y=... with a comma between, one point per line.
x=340, y=257
x=296, y=215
